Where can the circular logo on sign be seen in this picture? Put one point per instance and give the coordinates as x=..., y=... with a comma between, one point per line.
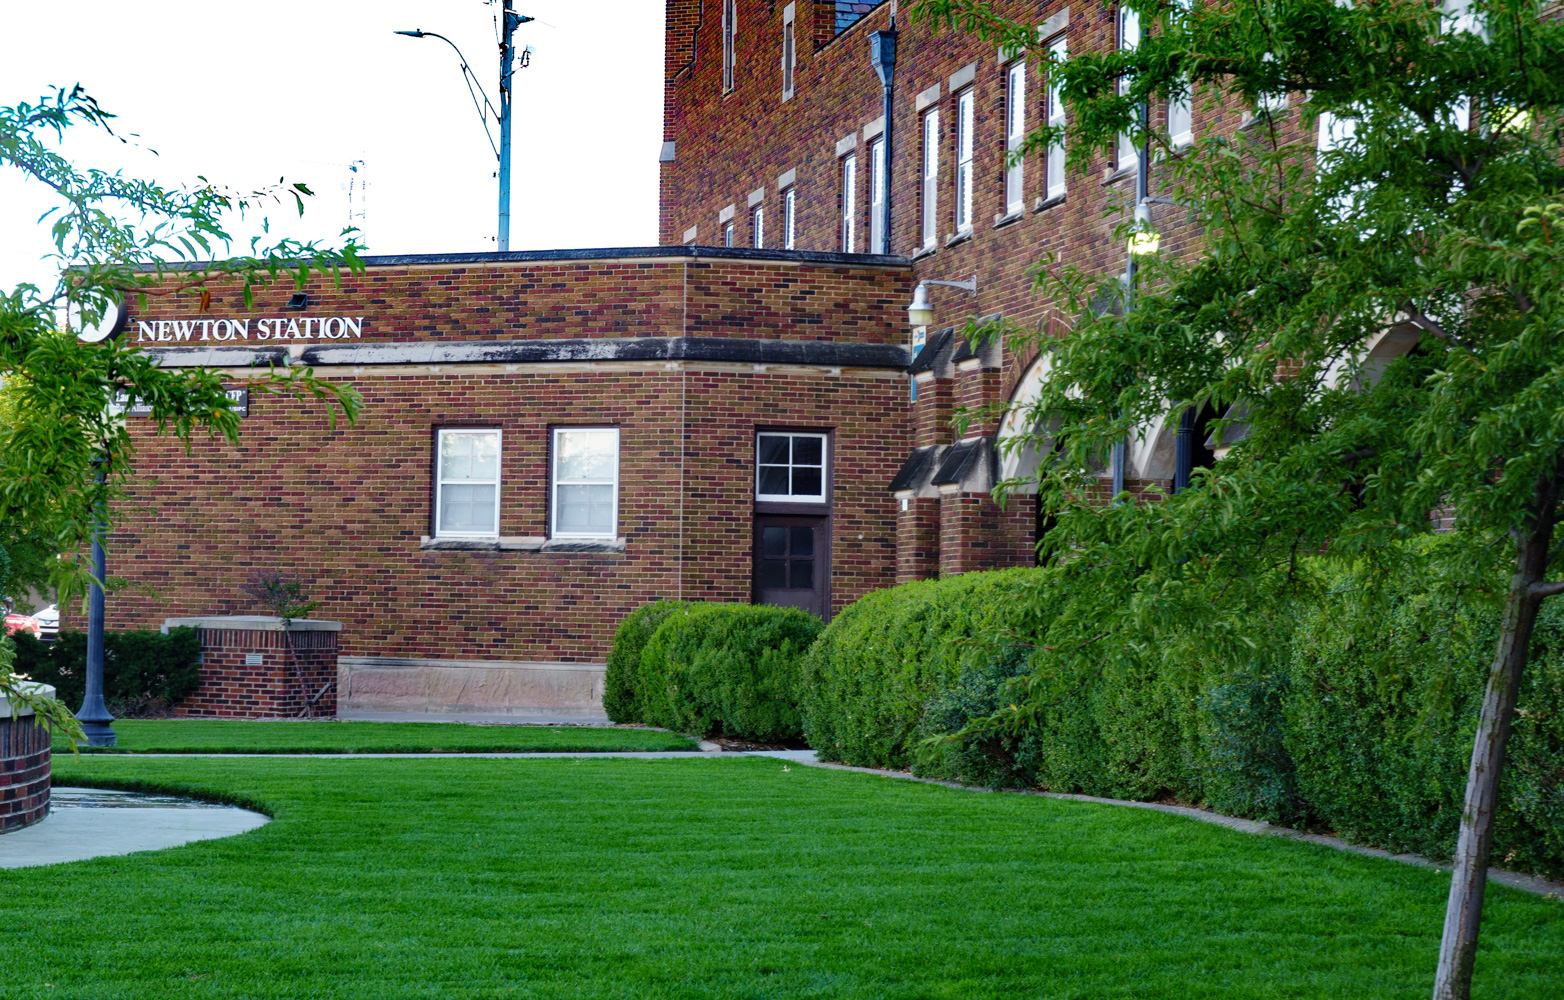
x=112, y=323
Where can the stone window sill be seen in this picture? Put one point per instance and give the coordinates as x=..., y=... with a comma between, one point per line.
x=533, y=543
x=927, y=251
x=1005, y=220
x=1043, y=204
x=1117, y=175
x=955, y=238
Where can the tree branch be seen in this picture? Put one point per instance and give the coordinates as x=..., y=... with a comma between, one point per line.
x=1547, y=588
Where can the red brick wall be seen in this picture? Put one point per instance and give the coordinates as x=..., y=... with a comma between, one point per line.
x=613, y=297
x=345, y=508
x=292, y=663
x=24, y=772
x=731, y=143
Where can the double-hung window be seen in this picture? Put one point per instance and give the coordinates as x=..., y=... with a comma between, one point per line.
x=789, y=219
x=849, y=200
x=1181, y=120
x=877, y=179
x=757, y=222
x=1181, y=112
x=964, y=161
x=729, y=31
x=1129, y=40
x=467, y=483
x=585, y=502
x=930, y=177
x=787, y=52
x=1015, y=133
x=1059, y=50
x=727, y=234
x=790, y=468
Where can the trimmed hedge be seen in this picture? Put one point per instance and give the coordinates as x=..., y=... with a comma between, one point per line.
x=624, y=658
x=1379, y=716
x=140, y=668
x=867, y=680
x=731, y=669
x=1360, y=722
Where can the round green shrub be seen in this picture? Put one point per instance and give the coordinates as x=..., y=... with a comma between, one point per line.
x=624, y=658
x=868, y=677
x=733, y=669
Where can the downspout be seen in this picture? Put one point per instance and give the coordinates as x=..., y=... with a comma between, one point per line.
x=882, y=52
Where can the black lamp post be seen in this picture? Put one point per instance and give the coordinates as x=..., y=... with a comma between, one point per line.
x=94, y=715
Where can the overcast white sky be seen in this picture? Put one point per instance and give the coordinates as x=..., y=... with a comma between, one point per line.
x=245, y=93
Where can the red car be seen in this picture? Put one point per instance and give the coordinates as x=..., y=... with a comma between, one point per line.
x=15, y=623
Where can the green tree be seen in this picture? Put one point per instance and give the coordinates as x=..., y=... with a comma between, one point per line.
x=65, y=449
x=1438, y=218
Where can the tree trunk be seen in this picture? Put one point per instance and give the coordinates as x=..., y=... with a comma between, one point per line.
x=1463, y=915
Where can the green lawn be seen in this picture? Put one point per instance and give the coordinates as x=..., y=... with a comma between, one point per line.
x=234, y=736
x=723, y=877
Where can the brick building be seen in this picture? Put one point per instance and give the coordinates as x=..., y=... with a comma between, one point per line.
x=551, y=439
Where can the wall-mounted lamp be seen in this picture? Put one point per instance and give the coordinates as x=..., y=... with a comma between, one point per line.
x=1144, y=239
x=298, y=300
x=920, y=313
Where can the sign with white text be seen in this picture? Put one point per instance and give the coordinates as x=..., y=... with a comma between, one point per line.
x=270, y=328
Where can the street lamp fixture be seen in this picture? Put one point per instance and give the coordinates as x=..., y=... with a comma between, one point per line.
x=1144, y=239
x=920, y=312
x=512, y=21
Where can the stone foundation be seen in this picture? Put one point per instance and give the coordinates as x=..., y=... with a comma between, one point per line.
x=493, y=687
x=251, y=667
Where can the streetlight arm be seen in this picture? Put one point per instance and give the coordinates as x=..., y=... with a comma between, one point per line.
x=474, y=86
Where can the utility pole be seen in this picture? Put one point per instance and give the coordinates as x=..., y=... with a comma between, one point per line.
x=510, y=21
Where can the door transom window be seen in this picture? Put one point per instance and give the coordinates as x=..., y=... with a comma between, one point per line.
x=790, y=467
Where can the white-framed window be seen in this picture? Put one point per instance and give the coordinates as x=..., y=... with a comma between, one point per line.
x=1059, y=49
x=788, y=52
x=467, y=483
x=729, y=31
x=790, y=467
x=789, y=219
x=877, y=171
x=1460, y=15
x=585, y=483
x=727, y=235
x=930, y=177
x=1181, y=120
x=1129, y=40
x=964, y=146
x=757, y=223
x=849, y=200
x=1015, y=133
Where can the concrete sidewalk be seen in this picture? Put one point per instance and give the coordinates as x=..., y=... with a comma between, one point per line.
x=94, y=822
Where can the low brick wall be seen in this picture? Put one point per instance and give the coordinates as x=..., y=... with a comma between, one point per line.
x=24, y=771
x=252, y=667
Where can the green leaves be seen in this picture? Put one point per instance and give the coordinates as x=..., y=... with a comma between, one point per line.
x=61, y=400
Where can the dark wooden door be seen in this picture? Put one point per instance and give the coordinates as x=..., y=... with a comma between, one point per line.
x=793, y=562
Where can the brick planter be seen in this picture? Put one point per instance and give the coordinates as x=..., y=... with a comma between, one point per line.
x=252, y=667
x=24, y=767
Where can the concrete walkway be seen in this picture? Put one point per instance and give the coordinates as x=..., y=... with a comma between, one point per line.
x=94, y=822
